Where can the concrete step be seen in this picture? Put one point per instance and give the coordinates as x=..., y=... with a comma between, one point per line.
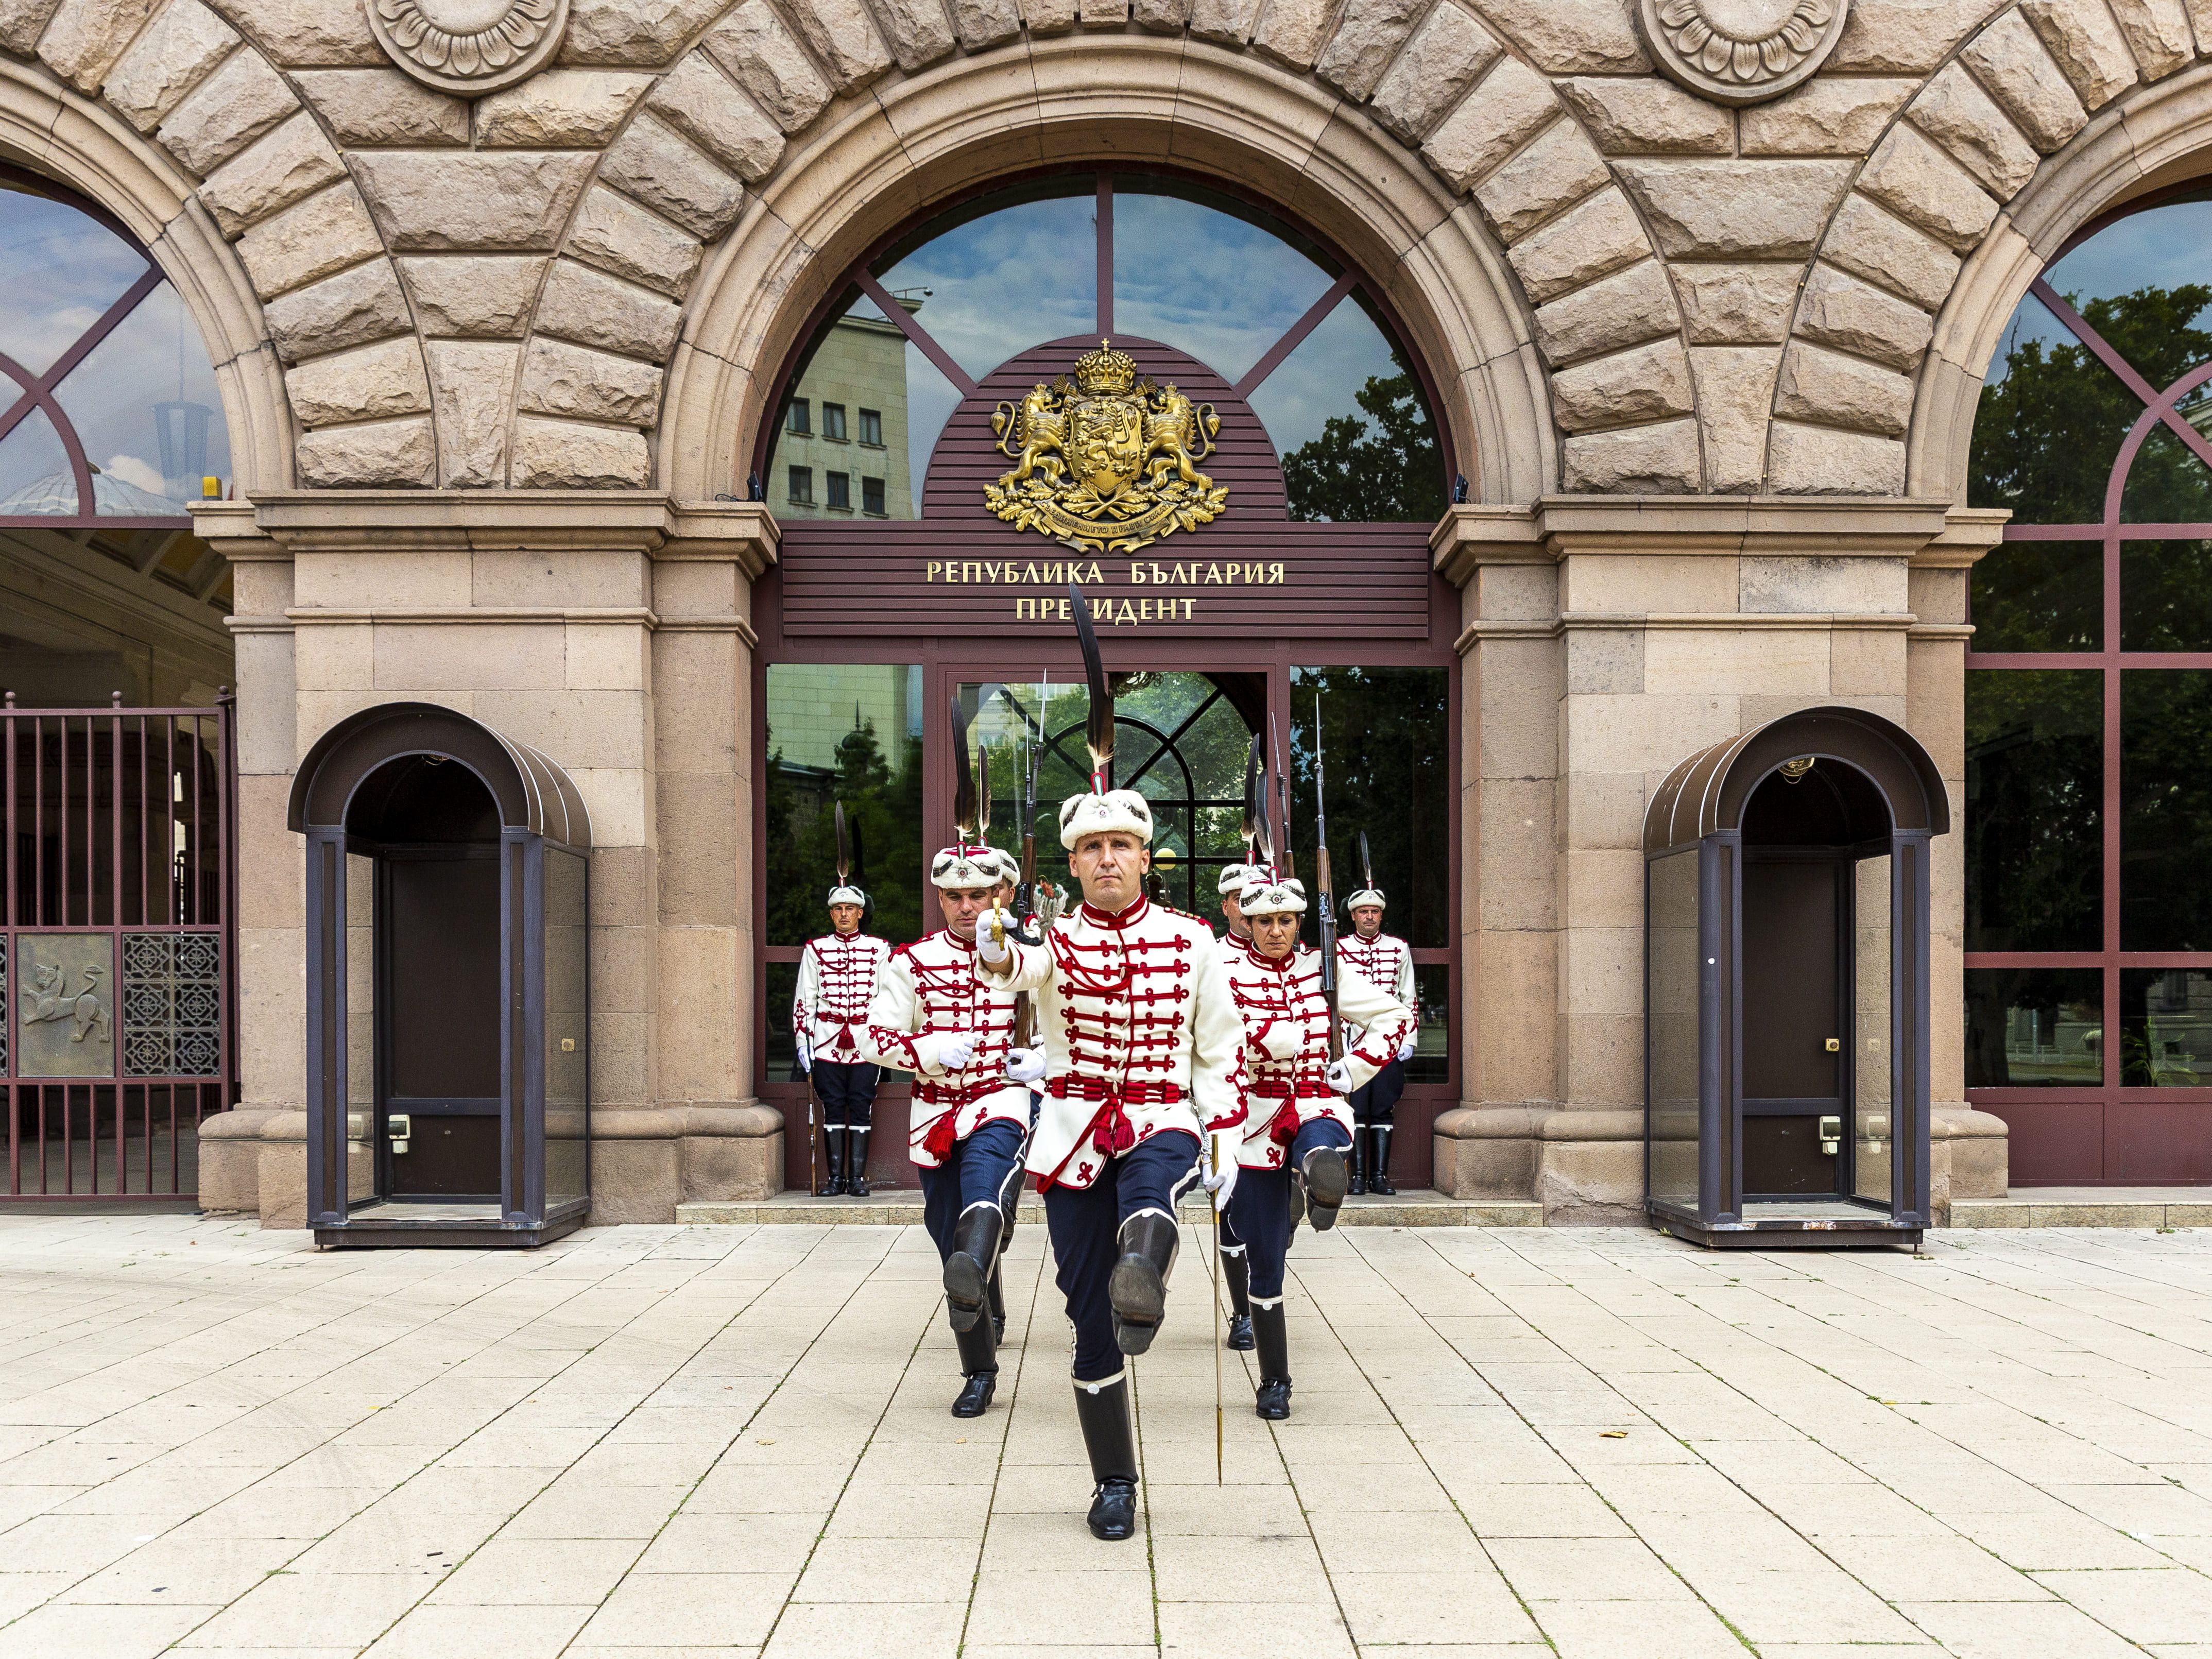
x=901, y=1207
x=2088, y=1206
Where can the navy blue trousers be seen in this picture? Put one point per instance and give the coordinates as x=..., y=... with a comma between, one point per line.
x=1086, y=1224
x=1377, y=1102
x=1260, y=1209
x=984, y=1169
x=847, y=1092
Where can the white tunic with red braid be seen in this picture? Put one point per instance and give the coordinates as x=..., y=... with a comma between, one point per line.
x=930, y=987
x=836, y=981
x=1140, y=1036
x=1286, y=1043
x=1385, y=963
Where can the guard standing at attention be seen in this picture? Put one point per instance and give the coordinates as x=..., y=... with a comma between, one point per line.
x=1386, y=962
x=933, y=1018
x=1298, y=1119
x=837, y=975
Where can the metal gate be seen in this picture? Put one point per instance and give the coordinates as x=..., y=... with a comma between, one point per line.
x=117, y=959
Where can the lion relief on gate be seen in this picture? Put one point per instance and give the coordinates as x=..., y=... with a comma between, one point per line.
x=1105, y=461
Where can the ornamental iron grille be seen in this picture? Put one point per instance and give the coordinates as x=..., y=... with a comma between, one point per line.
x=116, y=957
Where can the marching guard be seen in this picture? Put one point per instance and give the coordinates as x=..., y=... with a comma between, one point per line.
x=837, y=975
x=1298, y=1119
x=932, y=1017
x=1233, y=877
x=1386, y=963
x=1142, y=1045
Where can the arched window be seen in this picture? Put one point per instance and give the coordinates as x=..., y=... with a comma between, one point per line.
x=1298, y=334
x=112, y=415
x=2090, y=711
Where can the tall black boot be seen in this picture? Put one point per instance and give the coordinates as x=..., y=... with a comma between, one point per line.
x=1358, y=1183
x=1273, y=1331
x=979, y=1364
x=998, y=1299
x=968, y=1270
x=1236, y=1268
x=1379, y=1180
x=1138, y=1286
x=1328, y=1179
x=856, y=1162
x=1103, y=1410
x=833, y=1153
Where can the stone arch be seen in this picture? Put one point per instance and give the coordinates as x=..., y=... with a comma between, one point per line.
x=2152, y=137
x=851, y=183
x=84, y=146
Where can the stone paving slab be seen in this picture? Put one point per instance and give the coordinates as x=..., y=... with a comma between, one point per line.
x=900, y=1207
x=2088, y=1206
x=1508, y=1444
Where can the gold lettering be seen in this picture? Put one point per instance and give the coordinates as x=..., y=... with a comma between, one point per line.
x=1102, y=610
x=1061, y=614
x=1136, y=572
x=1028, y=572
x=1025, y=609
x=1055, y=574
x=1094, y=577
x=1253, y=572
x=935, y=566
x=1188, y=606
x=1127, y=616
x=1275, y=573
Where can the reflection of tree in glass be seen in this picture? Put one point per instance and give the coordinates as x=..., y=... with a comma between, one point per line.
x=1387, y=750
x=1382, y=467
x=884, y=810
x=2165, y=810
x=2057, y=996
x=2046, y=434
x=2034, y=787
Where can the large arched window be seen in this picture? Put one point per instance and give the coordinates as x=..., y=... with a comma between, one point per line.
x=112, y=416
x=1298, y=334
x=2089, y=712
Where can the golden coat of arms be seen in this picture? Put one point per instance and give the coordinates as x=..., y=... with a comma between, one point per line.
x=1107, y=463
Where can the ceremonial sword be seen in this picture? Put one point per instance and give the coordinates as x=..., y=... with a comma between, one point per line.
x=1324, y=891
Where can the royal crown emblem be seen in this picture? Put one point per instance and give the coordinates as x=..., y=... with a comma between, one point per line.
x=1104, y=460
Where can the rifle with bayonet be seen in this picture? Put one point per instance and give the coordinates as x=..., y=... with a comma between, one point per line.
x=1283, y=798
x=1325, y=890
x=1025, y=894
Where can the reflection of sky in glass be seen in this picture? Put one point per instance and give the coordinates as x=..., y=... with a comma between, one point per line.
x=2160, y=247
x=2031, y=322
x=1007, y=280
x=1323, y=377
x=59, y=270
x=35, y=475
x=154, y=356
x=1206, y=283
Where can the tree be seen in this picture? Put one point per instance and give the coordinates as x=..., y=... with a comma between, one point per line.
x=1381, y=466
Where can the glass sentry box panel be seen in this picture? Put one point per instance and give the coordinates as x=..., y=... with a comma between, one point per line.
x=1671, y=984
x=1872, y=1137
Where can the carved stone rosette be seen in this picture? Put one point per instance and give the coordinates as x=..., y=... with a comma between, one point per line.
x=468, y=47
x=1741, y=52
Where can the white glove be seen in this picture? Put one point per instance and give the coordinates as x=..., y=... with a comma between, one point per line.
x=1025, y=1064
x=993, y=950
x=1338, y=1077
x=944, y=1051
x=1406, y=1053
x=806, y=1055
x=1221, y=1166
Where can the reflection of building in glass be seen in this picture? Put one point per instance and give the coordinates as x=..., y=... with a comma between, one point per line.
x=843, y=449
x=813, y=706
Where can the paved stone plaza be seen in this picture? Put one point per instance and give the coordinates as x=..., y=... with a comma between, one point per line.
x=654, y=1441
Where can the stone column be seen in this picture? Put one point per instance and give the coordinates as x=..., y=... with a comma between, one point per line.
x=533, y=612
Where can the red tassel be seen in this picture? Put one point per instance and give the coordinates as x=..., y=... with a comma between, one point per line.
x=938, y=1142
x=1283, y=1127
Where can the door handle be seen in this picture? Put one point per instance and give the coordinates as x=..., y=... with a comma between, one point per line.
x=1833, y=1045
x=1831, y=1136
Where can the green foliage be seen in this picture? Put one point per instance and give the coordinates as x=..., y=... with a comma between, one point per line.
x=1382, y=466
x=884, y=811
x=2045, y=435
x=2034, y=789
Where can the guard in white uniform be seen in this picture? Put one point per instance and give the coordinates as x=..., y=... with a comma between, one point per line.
x=932, y=1017
x=1296, y=1117
x=837, y=977
x=1386, y=963
x=1233, y=877
x=1142, y=1047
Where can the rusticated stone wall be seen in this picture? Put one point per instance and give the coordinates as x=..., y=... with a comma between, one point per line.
x=476, y=294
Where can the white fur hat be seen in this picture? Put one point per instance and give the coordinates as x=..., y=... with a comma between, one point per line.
x=957, y=867
x=1365, y=895
x=1267, y=894
x=1117, y=810
x=1233, y=877
x=1010, y=867
x=845, y=895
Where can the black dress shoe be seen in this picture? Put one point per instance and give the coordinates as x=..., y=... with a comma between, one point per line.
x=1240, y=1333
x=1273, y=1402
x=1113, y=1510
x=975, y=1394
x=1137, y=1289
x=1328, y=1177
